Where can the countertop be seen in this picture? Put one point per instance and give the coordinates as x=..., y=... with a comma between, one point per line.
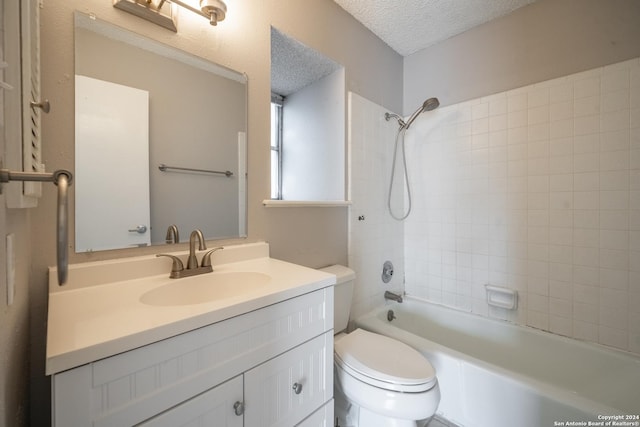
x=86, y=324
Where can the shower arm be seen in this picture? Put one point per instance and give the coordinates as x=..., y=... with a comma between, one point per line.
x=389, y=116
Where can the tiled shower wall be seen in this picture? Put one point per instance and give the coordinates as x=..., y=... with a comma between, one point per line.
x=535, y=189
x=374, y=237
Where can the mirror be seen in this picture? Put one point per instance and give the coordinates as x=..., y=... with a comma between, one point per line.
x=160, y=140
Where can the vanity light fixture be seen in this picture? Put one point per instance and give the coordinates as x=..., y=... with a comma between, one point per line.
x=213, y=10
x=164, y=12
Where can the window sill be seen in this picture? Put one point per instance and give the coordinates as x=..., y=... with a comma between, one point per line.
x=305, y=203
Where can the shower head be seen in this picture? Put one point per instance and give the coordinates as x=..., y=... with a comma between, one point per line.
x=428, y=105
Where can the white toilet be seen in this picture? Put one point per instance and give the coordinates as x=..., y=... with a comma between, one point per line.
x=378, y=381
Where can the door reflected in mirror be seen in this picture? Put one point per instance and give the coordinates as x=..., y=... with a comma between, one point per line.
x=141, y=104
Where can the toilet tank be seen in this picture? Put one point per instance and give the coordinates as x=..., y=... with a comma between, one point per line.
x=343, y=291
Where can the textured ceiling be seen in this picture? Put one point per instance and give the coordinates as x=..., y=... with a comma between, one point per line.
x=411, y=25
x=294, y=65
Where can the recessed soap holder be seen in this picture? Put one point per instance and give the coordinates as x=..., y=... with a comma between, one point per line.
x=498, y=296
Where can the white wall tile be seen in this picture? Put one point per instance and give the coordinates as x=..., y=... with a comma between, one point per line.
x=583, y=218
x=516, y=101
x=614, y=80
x=561, y=110
x=589, y=106
x=587, y=87
x=615, y=101
x=615, y=140
x=561, y=93
x=537, y=189
x=613, y=337
x=561, y=128
x=614, y=219
x=614, y=160
x=616, y=279
x=614, y=199
x=585, y=125
x=614, y=259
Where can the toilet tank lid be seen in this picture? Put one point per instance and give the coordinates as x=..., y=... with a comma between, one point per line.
x=343, y=274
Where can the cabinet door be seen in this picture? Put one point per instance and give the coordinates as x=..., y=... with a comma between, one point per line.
x=218, y=407
x=323, y=417
x=288, y=388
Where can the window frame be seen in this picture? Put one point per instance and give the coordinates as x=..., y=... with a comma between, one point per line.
x=277, y=102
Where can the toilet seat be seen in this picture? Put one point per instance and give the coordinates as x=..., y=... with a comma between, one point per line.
x=383, y=362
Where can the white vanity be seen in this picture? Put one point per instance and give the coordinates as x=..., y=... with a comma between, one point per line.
x=261, y=356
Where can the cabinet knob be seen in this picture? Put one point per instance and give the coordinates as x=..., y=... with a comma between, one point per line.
x=238, y=408
x=297, y=388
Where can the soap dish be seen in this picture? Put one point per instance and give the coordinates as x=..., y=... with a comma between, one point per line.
x=498, y=296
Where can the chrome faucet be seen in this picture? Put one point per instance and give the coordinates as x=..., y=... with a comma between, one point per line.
x=172, y=234
x=392, y=296
x=193, y=269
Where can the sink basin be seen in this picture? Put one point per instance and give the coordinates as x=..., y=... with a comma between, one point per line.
x=204, y=288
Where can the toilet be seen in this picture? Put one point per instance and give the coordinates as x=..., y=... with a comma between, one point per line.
x=378, y=381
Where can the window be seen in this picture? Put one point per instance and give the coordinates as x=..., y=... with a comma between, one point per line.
x=276, y=147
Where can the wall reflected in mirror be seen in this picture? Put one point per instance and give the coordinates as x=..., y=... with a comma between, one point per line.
x=141, y=104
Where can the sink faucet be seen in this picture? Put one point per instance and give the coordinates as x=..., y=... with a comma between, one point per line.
x=192, y=261
x=193, y=269
x=172, y=234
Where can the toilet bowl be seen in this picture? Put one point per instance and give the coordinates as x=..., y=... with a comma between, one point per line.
x=391, y=383
x=378, y=381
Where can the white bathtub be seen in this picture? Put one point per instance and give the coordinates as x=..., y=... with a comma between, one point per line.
x=493, y=373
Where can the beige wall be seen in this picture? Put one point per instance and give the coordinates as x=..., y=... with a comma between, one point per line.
x=14, y=318
x=541, y=41
x=311, y=236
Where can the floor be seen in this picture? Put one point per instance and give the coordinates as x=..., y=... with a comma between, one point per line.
x=440, y=422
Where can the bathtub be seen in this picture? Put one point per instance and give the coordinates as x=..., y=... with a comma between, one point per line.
x=493, y=373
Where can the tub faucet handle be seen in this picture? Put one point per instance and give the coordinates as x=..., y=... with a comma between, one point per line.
x=387, y=271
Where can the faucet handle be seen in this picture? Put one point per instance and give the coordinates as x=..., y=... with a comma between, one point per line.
x=176, y=267
x=206, y=258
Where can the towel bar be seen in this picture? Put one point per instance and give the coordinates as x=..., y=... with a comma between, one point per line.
x=62, y=178
x=165, y=168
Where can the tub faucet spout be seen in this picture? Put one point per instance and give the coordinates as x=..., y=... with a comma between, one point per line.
x=392, y=296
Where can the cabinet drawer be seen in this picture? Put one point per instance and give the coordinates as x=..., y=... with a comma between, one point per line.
x=214, y=407
x=285, y=390
x=323, y=417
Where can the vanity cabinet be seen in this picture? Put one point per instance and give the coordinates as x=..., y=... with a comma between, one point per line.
x=269, y=367
x=286, y=389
